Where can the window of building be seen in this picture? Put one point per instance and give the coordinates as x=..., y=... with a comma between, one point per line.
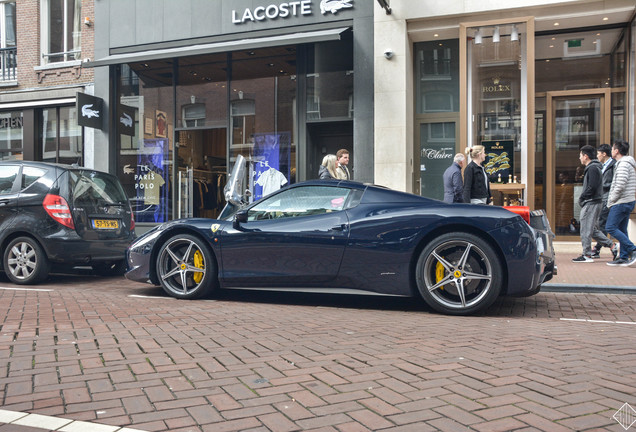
x=437, y=76
x=59, y=135
x=193, y=115
x=243, y=122
x=61, y=30
x=11, y=128
x=8, y=60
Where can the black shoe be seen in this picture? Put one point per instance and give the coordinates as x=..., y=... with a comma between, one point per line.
x=618, y=262
x=595, y=254
x=631, y=260
x=582, y=258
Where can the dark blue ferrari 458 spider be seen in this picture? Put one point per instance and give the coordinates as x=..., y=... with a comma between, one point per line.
x=348, y=237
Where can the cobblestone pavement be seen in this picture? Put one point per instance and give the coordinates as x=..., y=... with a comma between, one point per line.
x=114, y=352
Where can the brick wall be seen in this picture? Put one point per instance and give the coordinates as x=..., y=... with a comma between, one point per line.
x=29, y=55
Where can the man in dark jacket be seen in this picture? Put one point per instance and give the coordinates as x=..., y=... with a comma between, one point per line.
x=604, y=154
x=591, y=202
x=453, y=183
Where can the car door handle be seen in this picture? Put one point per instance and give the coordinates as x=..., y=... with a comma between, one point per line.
x=4, y=202
x=341, y=227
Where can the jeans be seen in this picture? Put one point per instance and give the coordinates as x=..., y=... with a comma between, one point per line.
x=617, y=226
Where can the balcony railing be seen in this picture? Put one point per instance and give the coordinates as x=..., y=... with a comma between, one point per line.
x=8, y=64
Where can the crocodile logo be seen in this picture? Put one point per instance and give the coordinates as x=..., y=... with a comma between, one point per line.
x=334, y=6
x=126, y=120
x=88, y=112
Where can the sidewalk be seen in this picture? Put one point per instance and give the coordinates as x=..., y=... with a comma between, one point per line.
x=589, y=277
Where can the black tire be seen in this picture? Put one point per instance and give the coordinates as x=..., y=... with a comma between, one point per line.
x=459, y=274
x=116, y=268
x=186, y=268
x=25, y=262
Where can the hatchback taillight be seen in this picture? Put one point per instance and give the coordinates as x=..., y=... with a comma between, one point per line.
x=132, y=220
x=58, y=209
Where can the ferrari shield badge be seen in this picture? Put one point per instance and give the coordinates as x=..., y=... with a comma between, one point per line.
x=215, y=227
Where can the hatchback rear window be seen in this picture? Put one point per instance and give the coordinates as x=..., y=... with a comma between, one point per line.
x=95, y=188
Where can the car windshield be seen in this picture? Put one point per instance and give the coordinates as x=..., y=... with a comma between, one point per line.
x=91, y=187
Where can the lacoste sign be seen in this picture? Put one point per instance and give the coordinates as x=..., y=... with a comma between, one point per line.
x=288, y=9
x=90, y=112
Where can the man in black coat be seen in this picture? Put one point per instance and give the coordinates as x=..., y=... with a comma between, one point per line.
x=590, y=201
x=453, y=183
x=604, y=154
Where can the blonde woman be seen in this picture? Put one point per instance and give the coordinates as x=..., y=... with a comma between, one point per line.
x=327, y=170
x=476, y=184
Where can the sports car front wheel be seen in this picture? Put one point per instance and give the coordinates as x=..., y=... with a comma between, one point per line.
x=459, y=274
x=185, y=267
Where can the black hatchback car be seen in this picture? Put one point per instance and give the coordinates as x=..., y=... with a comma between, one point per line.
x=63, y=215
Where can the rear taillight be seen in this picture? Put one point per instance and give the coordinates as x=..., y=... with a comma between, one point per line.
x=522, y=211
x=132, y=220
x=58, y=209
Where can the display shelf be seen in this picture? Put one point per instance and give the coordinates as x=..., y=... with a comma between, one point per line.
x=508, y=193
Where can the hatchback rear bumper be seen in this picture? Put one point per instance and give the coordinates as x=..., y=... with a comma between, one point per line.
x=78, y=252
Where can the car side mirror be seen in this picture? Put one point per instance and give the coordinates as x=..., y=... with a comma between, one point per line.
x=239, y=218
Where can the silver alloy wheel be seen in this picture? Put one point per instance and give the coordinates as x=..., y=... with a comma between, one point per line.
x=22, y=260
x=179, y=268
x=458, y=274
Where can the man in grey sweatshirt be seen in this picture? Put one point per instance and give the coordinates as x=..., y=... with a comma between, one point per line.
x=621, y=201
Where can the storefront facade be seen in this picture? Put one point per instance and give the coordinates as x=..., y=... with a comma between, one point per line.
x=42, y=47
x=532, y=83
x=190, y=85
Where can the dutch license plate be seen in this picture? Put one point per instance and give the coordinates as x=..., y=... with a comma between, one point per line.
x=105, y=224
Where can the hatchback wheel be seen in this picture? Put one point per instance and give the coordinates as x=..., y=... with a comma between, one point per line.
x=25, y=261
x=185, y=267
x=459, y=274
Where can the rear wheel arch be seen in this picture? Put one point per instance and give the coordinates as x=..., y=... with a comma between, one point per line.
x=14, y=235
x=457, y=228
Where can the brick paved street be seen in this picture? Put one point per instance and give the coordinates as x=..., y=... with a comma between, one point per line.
x=119, y=353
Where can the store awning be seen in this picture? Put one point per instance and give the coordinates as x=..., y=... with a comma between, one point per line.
x=234, y=45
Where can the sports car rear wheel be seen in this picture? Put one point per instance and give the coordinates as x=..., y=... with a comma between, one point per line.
x=185, y=267
x=459, y=274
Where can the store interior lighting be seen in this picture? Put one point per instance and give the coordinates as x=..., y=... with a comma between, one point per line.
x=478, y=37
x=514, y=36
x=495, y=35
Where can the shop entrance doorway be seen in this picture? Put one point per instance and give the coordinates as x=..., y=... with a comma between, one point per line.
x=201, y=172
x=574, y=119
x=327, y=138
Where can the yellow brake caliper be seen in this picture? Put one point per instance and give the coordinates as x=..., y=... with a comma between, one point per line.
x=439, y=272
x=198, y=263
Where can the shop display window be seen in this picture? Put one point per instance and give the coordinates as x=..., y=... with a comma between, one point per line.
x=145, y=132
x=11, y=132
x=60, y=137
x=495, y=85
